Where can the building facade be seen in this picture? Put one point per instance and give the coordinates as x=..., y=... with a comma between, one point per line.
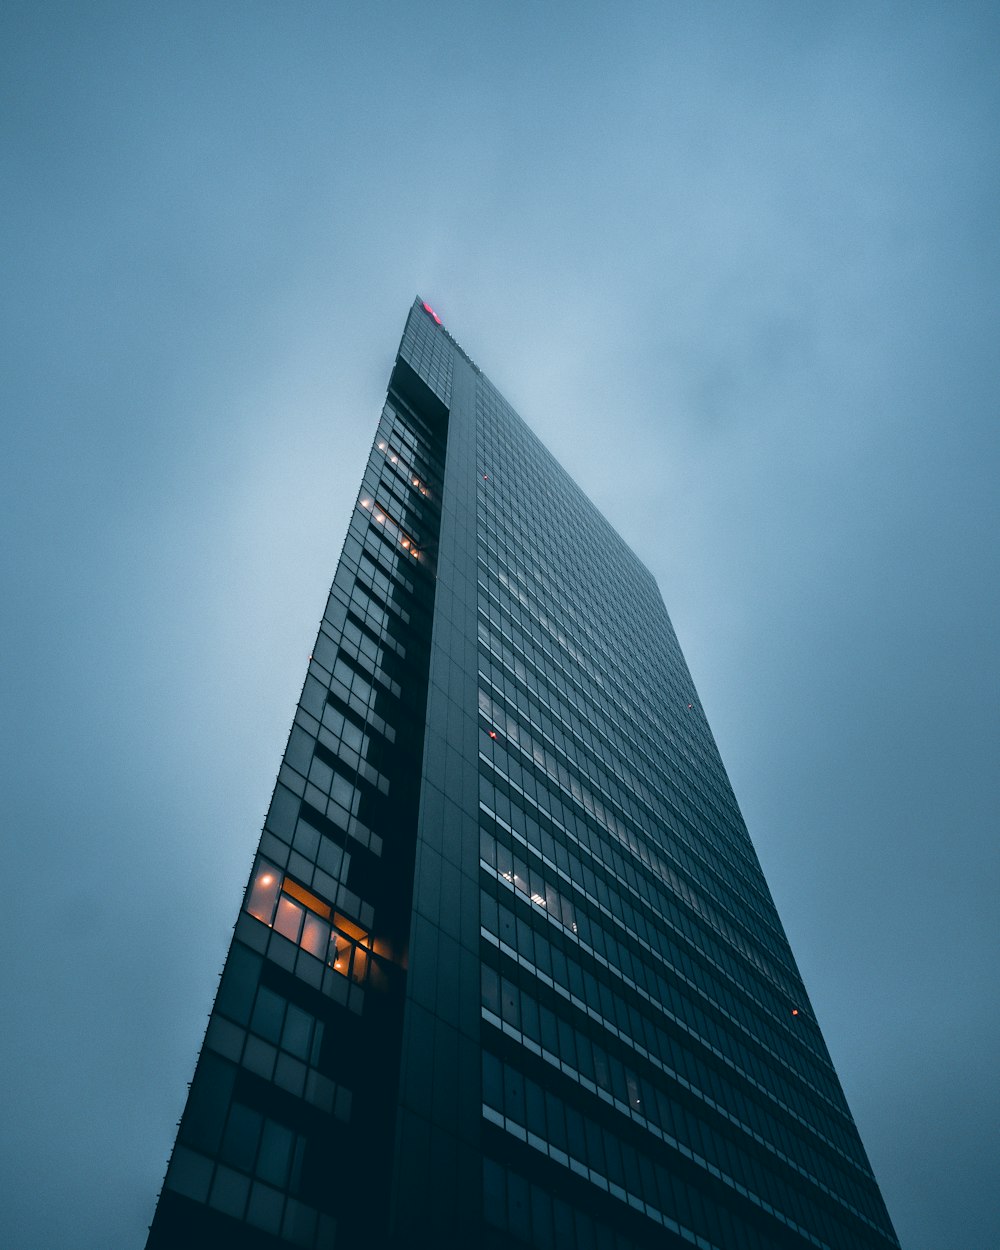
x=507, y=972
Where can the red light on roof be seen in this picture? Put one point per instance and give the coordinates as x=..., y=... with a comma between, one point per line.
x=431, y=313
x=795, y=1011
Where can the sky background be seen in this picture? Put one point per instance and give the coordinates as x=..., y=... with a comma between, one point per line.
x=737, y=264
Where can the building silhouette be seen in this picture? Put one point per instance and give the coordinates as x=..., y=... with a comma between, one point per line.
x=507, y=972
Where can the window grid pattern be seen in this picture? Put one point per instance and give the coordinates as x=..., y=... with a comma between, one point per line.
x=428, y=352
x=292, y=1051
x=620, y=885
x=507, y=968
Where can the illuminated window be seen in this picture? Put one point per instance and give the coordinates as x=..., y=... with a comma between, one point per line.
x=288, y=921
x=303, y=918
x=263, y=893
x=381, y=517
x=315, y=937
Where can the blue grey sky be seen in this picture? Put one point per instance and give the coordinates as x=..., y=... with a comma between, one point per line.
x=738, y=265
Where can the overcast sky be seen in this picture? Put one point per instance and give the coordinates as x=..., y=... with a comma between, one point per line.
x=737, y=264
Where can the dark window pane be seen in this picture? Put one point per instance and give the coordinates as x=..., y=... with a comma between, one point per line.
x=494, y=1194
x=559, y=973
x=562, y=1219
x=505, y=862
x=207, y=1103
x=529, y=1018
x=585, y=1235
x=525, y=940
x=491, y=990
x=595, y=1146
x=518, y=1210
x=630, y=1166
x=534, y=1099
x=510, y=1003
x=488, y=914
x=576, y=979
x=543, y=956
x=268, y=1014
x=239, y=981
x=567, y=1044
x=541, y=1219
x=613, y=1158
x=298, y=1032
x=275, y=1153
x=555, y=1121
x=550, y=1031
x=513, y=1084
x=575, y=1139
x=239, y=1146
x=492, y=1081
x=584, y=1056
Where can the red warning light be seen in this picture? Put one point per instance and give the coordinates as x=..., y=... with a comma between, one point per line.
x=431, y=313
x=493, y=733
x=795, y=1011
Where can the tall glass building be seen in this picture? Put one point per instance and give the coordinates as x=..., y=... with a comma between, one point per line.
x=507, y=972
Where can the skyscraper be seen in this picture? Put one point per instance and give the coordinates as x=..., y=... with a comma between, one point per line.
x=507, y=970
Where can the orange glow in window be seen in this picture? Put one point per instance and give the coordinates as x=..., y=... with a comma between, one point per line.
x=351, y=929
x=306, y=896
x=305, y=919
x=315, y=936
x=263, y=893
x=288, y=920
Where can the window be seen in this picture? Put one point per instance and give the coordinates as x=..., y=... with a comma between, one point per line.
x=391, y=527
x=303, y=918
x=263, y=893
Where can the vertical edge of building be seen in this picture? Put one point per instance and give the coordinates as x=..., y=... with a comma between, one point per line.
x=437, y=1190
x=286, y=1136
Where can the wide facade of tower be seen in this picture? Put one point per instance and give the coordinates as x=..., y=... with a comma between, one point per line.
x=507, y=971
